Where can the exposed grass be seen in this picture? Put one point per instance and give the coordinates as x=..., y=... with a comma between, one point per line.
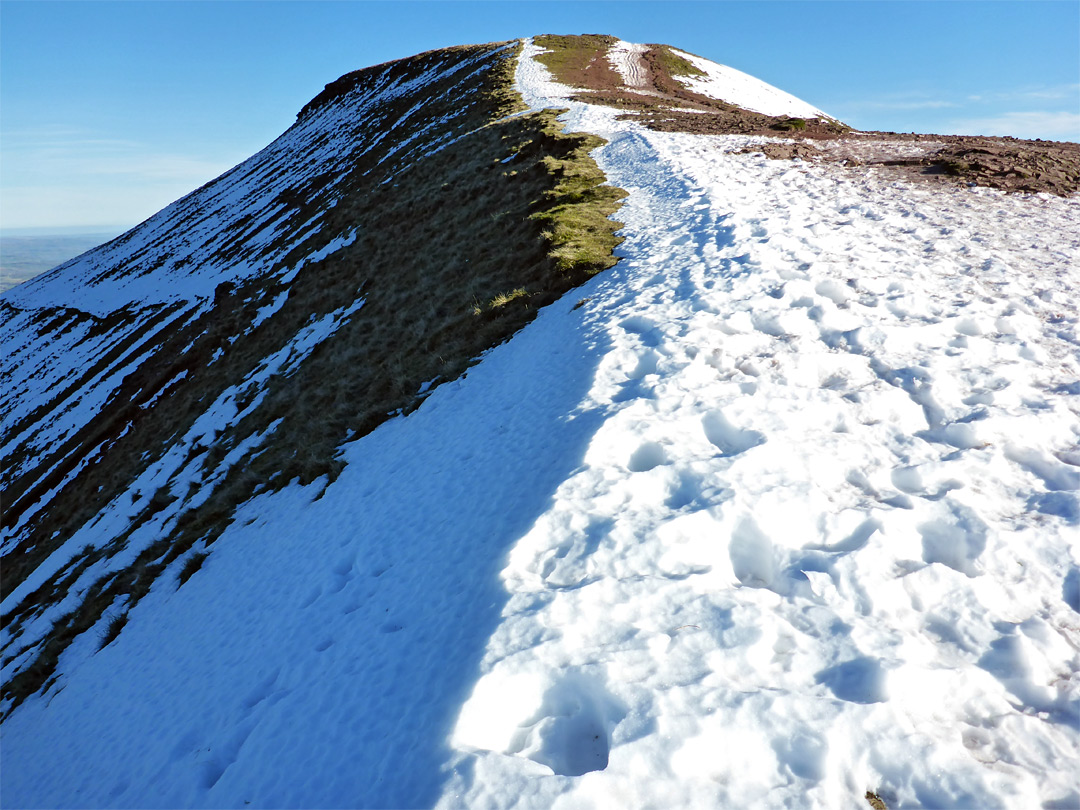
x=438, y=231
x=790, y=124
x=955, y=168
x=502, y=299
x=112, y=629
x=577, y=223
x=191, y=565
x=673, y=64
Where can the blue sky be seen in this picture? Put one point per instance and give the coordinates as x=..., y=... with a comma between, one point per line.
x=111, y=110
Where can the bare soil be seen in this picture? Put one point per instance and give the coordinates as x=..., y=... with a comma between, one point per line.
x=665, y=104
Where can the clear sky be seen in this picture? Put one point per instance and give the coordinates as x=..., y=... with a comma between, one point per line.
x=111, y=110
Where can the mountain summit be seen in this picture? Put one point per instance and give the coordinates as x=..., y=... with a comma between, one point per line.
x=552, y=423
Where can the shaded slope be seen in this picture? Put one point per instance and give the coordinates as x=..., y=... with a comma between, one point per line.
x=406, y=223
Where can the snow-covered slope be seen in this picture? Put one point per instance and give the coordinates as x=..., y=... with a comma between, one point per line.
x=73, y=335
x=735, y=87
x=779, y=511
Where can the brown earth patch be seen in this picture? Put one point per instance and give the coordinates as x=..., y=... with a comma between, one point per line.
x=665, y=104
x=1008, y=164
x=580, y=61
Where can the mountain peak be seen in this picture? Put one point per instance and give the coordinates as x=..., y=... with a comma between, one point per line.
x=388, y=469
x=659, y=82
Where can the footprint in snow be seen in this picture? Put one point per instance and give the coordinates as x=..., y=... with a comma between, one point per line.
x=646, y=364
x=752, y=557
x=860, y=680
x=646, y=457
x=956, y=538
x=726, y=437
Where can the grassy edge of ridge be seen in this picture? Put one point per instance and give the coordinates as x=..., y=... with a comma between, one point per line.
x=550, y=216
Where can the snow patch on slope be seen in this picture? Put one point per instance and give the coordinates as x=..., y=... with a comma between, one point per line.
x=625, y=57
x=735, y=87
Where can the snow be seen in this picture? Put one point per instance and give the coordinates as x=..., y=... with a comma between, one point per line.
x=735, y=87
x=625, y=57
x=779, y=510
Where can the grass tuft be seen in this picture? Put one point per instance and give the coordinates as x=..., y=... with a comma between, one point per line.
x=112, y=629
x=789, y=124
x=191, y=565
x=675, y=65
x=502, y=299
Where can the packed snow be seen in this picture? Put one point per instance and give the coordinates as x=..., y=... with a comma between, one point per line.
x=780, y=510
x=625, y=57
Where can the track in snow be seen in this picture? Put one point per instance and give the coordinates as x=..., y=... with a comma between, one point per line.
x=825, y=535
x=626, y=58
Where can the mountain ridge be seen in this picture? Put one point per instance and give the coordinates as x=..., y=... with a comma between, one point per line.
x=316, y=492
x=233, y=320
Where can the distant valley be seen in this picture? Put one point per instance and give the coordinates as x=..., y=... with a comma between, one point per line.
x=23, y=256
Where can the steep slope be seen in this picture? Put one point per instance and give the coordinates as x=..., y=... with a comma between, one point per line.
x=217, y=350
x=779, y=511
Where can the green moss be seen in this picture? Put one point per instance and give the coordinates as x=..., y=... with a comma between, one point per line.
x=675, y=65
x=789, y=124
x=576, y=218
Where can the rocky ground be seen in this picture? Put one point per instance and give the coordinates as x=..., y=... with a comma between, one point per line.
x=1009, y=164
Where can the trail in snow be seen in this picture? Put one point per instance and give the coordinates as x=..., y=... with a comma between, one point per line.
x=826, y=536
x=625, y=57
x=784, y=512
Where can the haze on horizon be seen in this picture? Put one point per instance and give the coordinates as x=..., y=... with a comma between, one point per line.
x=112, y=111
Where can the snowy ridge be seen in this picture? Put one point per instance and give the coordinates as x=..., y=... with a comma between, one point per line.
x=780, y=510
x=841, y=418
x=73, y=335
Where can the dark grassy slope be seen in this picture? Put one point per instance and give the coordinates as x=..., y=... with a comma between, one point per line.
x=466, y=220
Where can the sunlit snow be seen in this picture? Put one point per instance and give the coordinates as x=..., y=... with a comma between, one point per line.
x=735, y=87
x=780, y=510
